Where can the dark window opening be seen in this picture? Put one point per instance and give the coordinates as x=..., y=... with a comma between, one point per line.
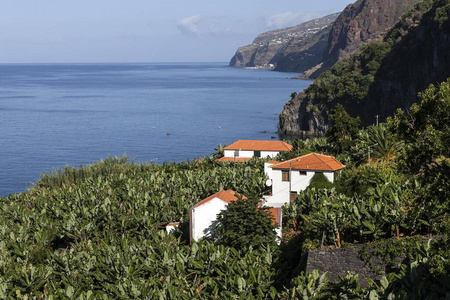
x=293, y=196
x=284, y=175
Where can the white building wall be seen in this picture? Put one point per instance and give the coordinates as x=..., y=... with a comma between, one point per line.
x=242, y=153
x=228, y=153
x=271, y=154
x=250, y=153
x=204, y=216
x=246, y=153
x=279, y=233
x=280, y=189
x=170, y=228
x=267, y=170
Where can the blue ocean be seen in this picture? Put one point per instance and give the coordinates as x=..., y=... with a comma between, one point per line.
x=54, y=115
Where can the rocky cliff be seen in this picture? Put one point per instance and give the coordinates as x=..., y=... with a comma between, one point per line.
x=381, y=76
x=295, y=48
x=363, y=21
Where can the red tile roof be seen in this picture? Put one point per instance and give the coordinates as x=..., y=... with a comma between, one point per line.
x=257, y=145
x=173, y=224
x=227, y=196
x=235, y=159
x=312, y=161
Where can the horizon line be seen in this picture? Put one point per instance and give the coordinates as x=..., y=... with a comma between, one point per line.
x=117, y=62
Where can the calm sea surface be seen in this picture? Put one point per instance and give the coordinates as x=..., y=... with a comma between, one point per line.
x=53, y=115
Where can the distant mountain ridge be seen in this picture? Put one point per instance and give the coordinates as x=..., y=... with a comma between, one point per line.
x=278, y=49
x=360, y=22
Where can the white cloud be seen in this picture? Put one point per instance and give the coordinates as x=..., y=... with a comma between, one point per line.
x=189, y=25
x=287, y=19
x=198, y=26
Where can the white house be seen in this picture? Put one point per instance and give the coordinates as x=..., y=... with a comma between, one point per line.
x=203, y=215
x=268, y=169
x=290, y=177
x=243, y=150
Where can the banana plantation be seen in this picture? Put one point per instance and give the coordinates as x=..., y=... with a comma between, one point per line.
x=98, y=232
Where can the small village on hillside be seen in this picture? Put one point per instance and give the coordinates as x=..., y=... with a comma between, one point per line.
x=354, y=203
x=287, y=179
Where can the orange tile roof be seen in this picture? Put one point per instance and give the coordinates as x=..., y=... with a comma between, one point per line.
x=233, y=159
x=260, y=145
x=276, y=213
x=312, y=161
x=173, y=224
x=227, y=196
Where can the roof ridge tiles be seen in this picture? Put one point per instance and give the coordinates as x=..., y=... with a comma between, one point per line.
x=319, y=160
x=315, y=154
x=260, y=145
x=224, y=195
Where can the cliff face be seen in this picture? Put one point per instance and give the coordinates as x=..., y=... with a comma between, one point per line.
x=363, y=21
x=300, y=118
x=419, y=58
x=300, y=54
x=302, y=44
x=382, y=77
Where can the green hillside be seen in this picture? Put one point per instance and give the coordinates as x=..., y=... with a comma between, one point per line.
x=97, y=232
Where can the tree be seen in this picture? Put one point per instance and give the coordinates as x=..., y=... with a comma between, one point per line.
x=378, y=141
x=425, y=128
x=320, y=181
x=344, y=129
x=219, y=152
x=244, y=224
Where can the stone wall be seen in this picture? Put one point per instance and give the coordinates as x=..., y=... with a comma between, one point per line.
x=340, y=261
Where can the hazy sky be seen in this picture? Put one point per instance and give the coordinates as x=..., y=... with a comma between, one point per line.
x=144, y=30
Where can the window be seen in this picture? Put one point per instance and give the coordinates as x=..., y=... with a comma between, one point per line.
x=293, y=196
x=284, y=175
x=257, y=153
x=236, y=153
x=302, y=173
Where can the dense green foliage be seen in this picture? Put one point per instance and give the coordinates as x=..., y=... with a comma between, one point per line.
x=97, y=232
x=349, y=79
x=243, y=225
x=381, y=75
x=320, y=181
x=343, y=131
x=425, y=278
x=402, y=191
x=425, y=128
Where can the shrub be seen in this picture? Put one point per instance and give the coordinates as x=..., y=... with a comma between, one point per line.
x=320, y=181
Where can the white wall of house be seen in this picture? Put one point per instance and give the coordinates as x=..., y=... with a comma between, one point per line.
x=280, y=226
x=203, y=217
x=250, y=153
x=271, y=154
x=299, y=182
x=228, y=153
x=172, y=227
x=267, y=170
x=242, y=153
